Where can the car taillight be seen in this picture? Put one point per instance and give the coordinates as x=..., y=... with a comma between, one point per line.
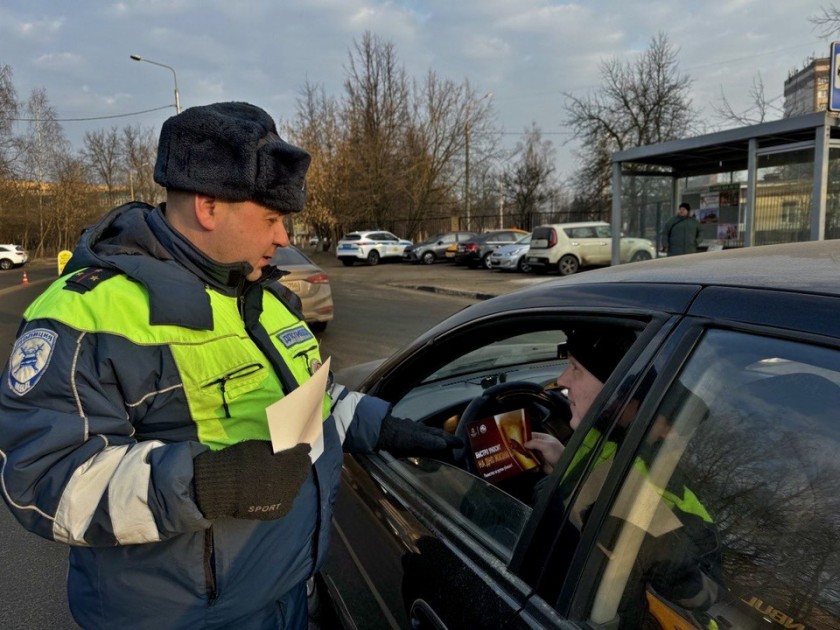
x=552, y=237
x=319, y=278
x=470, y=247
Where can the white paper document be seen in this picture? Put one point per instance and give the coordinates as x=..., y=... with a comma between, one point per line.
x=297, y=417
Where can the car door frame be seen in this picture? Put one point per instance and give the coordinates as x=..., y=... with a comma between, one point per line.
x=507, y=583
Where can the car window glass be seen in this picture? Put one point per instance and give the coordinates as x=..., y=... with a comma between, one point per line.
x=603, y=231
x=288, y=256
x=491, y=515
x=581, y=232
x=351, y=237
x=727, y=515
x=520, y=349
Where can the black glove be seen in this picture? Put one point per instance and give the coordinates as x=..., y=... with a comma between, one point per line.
x=400, y=436
x=247, y=480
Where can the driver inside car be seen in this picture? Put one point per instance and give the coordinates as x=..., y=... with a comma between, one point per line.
x=593, y=353
x=678, y=565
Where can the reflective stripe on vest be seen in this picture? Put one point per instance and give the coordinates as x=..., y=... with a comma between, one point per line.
x=688, y=503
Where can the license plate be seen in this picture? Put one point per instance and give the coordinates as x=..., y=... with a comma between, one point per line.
x=347, y=246
x=293, y=285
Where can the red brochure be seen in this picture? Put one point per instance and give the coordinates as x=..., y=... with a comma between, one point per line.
x=497, y=445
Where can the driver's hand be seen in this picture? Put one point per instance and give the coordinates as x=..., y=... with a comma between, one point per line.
x=450, y=425
x=547, y=447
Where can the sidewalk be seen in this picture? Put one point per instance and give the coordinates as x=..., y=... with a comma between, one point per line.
x=442, y=277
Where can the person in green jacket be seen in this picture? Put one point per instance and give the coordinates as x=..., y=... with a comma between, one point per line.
x=681, y=233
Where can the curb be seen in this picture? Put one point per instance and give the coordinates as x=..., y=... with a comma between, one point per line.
x=476, y=295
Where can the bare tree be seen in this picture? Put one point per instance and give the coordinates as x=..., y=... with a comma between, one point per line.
x=758, y=111
x=42, y=145
x=318, y=129
x=377, y=116
x=827, y=22
x=103, y=155
x=139, y=149
x=641, y=102
x=72, y=207
x=529, y=182
x=9, y=109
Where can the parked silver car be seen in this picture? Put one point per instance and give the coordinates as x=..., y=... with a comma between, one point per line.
x=310, y=283
x=511, y=257
x=434, y=248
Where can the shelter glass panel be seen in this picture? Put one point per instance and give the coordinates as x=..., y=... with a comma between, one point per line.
x=784, y=187
x=646, y=203
x=832, y=206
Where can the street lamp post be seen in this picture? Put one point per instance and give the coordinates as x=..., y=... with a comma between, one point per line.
x=174, y=76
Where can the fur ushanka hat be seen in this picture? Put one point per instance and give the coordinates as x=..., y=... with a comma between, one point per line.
x=231, y=151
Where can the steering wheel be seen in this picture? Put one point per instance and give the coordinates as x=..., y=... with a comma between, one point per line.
x=549, y=412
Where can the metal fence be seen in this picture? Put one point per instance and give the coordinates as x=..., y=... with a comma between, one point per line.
x=430, y=226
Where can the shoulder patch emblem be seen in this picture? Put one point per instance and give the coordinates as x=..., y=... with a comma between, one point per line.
x=294, y=336
x=30, y=357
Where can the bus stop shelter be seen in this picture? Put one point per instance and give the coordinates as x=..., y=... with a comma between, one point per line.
x=775, y=182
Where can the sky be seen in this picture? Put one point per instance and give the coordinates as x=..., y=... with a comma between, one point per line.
x=525, y=53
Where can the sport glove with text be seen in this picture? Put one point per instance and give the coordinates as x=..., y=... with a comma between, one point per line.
x=248, y=480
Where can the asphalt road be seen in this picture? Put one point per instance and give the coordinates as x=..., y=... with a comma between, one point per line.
x=374, y=318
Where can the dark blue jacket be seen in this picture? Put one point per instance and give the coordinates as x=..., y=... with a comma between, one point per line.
x=98, y=434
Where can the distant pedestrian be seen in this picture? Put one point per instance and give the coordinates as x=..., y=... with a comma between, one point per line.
x=681, y=233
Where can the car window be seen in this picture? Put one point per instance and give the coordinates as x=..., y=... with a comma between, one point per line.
x=603, y=231
x=387, y=236
x=288, y=256
x=491, y=515
x=581, y=232
x=493, y=502
x=728, y=513
x=527, y=348
x=351, y=237
x=447, y=238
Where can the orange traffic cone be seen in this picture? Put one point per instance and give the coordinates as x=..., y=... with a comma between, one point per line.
x=25, y=279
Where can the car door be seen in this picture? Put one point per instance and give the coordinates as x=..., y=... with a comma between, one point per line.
x=715, y=504
x=431, y=538
x=388, y=243
x=584, y=243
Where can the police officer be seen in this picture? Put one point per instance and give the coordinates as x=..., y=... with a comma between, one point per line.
x=132, y=409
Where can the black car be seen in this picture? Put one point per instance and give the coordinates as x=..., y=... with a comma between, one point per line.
x=476, y=252
x=707, y=461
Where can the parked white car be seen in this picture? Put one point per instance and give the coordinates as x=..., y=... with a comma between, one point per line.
x=370, y=246
x=566, y=247
x=12, y=256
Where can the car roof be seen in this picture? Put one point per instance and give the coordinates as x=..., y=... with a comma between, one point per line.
x=671, y=285
x=811, y=267
x=577, y=224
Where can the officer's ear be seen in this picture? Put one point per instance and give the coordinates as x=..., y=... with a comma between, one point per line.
x=205, y=210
